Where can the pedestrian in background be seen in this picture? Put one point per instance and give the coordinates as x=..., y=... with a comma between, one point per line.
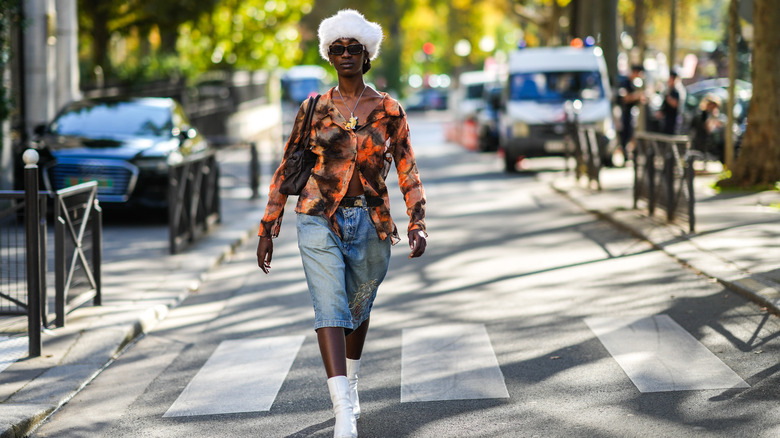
x=709, y=127
x=629, y=95
x=344, y=226
x=670, y=108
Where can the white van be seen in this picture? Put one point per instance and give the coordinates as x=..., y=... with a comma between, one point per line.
x=468, y=98
x=532, y=116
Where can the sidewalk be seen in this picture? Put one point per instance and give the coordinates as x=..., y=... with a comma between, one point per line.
x=736, y=240
x=141, y=283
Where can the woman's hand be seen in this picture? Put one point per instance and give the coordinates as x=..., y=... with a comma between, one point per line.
x=265, y=251
x=417, y=242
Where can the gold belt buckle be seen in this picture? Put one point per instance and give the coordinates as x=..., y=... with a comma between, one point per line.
x=358, y=202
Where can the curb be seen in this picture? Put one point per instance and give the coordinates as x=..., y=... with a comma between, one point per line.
x=764, y=292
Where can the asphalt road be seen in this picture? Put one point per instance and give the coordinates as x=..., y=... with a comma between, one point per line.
x=507, y=257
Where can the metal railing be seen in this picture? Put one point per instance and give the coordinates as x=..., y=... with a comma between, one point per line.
x=77, y=248
x=663, y=175
x=23, y=247
x=14, y=259
x=254, y=159
x=193, y=200
x=584, y=145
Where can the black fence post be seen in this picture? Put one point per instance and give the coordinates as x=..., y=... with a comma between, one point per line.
x=669, y=182
x=32, y=225
x=689, y=172
x=254, y=170
x=650, y=172
x=638, y=152
x=97, y=252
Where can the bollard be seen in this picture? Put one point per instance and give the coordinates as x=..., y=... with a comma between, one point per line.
x=32, y=221
x=689, y=172
x=254, y=170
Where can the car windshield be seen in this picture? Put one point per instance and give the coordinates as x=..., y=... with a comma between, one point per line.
x=116, y=119
x=556, y=86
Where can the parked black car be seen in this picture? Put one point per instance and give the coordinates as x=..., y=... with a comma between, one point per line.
x=125, y=144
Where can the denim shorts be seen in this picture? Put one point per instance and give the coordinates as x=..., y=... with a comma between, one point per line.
x=343, y=274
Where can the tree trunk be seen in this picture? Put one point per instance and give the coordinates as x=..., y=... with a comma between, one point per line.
x=733, y=18
x=99, y=12
x=640, y=15
x=759, y=160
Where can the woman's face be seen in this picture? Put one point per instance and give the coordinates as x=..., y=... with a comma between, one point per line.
x=347, y=64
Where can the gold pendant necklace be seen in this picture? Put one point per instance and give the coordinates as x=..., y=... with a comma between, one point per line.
x=352, y=122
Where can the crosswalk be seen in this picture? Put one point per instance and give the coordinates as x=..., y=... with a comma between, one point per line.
x=449, y=362
x=455, y=362
x=240, y=376
x=659, y=355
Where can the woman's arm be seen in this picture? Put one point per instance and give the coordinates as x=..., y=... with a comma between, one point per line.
x=411, y=187
x=274, y=209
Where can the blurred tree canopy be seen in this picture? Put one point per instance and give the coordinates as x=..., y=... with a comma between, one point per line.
x=152, y=39
x=146, y=39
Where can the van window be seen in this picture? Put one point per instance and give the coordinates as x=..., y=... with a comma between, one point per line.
x=299, y=89
x=475, y=91
x=556, y=86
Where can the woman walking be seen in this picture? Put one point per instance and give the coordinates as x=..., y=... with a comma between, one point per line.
x=343, y=213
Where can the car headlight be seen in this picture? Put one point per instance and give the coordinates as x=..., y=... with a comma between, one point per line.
x=175, y=158
x=520, y=129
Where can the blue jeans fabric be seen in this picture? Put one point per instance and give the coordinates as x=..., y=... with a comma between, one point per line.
x=343, y=274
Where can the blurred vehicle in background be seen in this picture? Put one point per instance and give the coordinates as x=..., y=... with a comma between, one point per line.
x=532, y=117
x=298, y=84
x=743, y=92
x=713, y=93
x=487, y=119
x=475, y=120
x=427, y=99
x=125, y=144
x=468, y=98
x=303, y=81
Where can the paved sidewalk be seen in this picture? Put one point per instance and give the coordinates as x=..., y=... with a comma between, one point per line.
x=141, y=283
x=737, y=235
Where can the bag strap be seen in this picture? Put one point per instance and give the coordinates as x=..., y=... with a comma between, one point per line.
x=307, y=120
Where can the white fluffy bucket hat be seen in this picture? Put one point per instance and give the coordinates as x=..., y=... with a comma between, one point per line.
x=349, y=23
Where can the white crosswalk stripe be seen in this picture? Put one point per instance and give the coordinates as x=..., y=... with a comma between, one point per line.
x=242, y=375
x=659, y=355
x=449, y=362
x=455, y=362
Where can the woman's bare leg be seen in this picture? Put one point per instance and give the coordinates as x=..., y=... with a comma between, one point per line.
x=355, y=341
x=333, y=350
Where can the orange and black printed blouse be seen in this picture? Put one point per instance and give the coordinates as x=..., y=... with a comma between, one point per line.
x=372, y=146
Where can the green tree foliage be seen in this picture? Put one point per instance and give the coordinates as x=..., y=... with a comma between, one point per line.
x=9, y=17
x=146, y=39
x=247, y=34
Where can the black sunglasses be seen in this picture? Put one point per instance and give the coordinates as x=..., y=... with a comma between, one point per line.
x=352, y=49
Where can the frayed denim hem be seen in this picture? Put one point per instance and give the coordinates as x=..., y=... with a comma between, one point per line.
x=333, y=323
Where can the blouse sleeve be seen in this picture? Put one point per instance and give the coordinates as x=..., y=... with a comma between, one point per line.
x=409, y=177
x=274, y=209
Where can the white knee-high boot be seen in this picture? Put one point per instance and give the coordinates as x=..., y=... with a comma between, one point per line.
x=346, y=427
x=353, y=366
